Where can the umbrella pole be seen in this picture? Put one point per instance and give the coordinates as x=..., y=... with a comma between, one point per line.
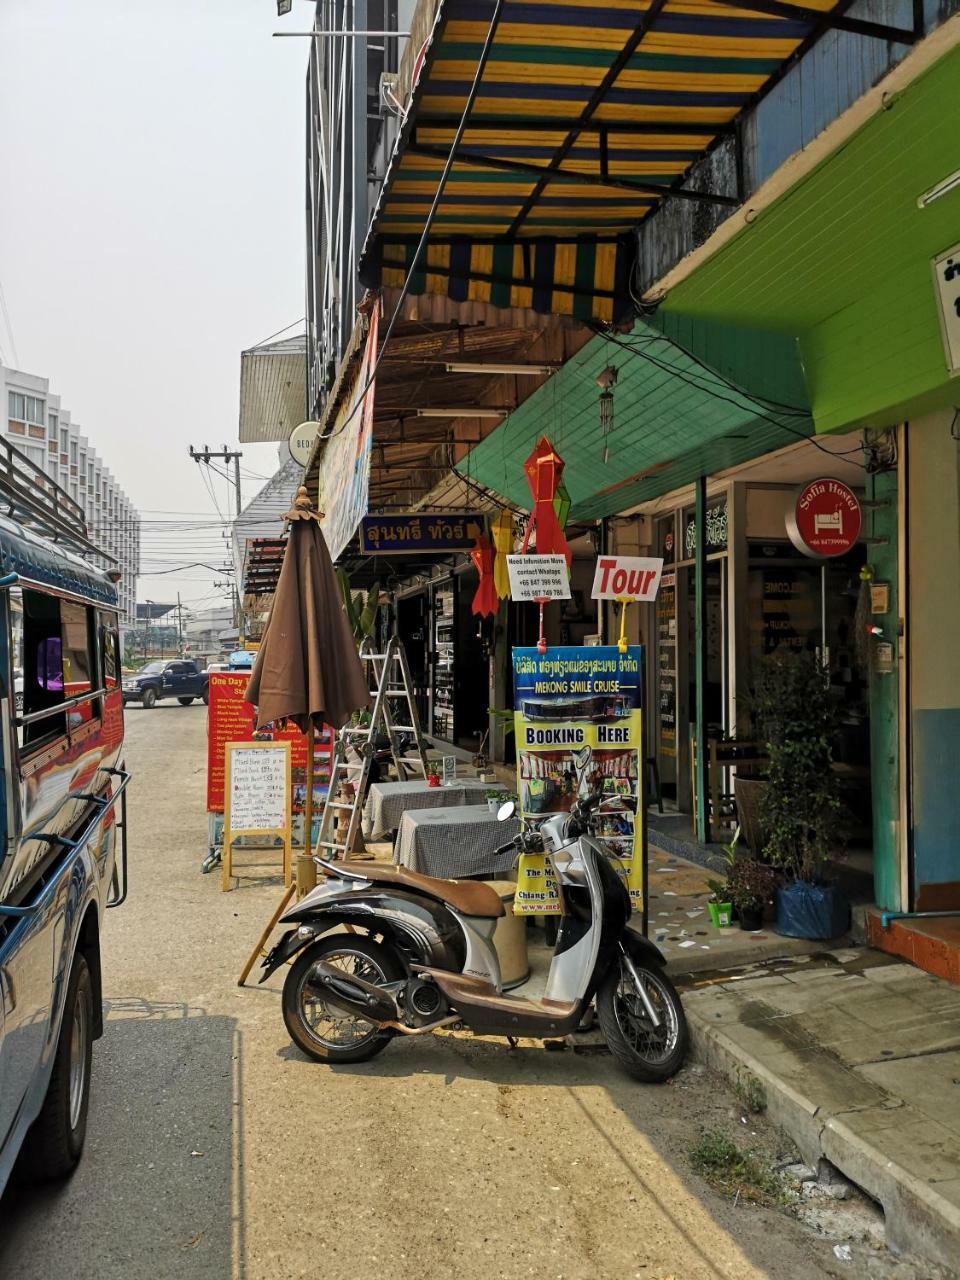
x=306, y=867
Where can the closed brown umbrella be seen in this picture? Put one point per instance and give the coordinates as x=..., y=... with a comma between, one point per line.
x=308, y=669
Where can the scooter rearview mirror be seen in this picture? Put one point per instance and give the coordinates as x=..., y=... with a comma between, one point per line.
x=506, y=810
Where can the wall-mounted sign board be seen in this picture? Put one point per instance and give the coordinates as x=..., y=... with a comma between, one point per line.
x=400, y=535
x=825, y=520
x=946, y=281
x=256, y=798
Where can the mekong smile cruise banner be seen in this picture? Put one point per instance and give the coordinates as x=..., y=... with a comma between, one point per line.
x=579, y=724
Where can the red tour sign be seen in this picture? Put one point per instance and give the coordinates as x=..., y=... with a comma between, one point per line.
x=826, y=519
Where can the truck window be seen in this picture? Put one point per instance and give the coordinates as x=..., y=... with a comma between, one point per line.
x=41, y=658
x=53, y=643
x=76, y=626
x=109, y=652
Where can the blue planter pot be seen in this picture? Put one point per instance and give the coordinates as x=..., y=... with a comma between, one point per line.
x=811, y=911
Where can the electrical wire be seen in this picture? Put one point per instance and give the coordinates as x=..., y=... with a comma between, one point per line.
x=746, y=408
x=425, y=234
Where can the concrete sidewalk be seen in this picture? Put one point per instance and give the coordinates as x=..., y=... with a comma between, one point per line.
x=859, y=1058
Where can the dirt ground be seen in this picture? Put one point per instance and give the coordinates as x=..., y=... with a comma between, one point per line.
x=216, y=1151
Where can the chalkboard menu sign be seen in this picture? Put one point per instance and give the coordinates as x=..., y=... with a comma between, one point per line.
x=256, y=798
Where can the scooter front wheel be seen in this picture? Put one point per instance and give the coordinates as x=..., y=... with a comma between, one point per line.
x=324, y=1033
x=647, y=1052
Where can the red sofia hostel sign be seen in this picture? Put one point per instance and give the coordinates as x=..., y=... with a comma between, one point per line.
x=825, y=522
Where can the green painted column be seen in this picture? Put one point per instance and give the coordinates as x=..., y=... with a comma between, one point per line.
x=884, y=697
x=700, y=660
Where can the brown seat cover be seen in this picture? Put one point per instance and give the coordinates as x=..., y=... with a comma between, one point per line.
x=471, y=897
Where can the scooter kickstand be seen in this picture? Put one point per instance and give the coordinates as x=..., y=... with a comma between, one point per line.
x=513, y=1042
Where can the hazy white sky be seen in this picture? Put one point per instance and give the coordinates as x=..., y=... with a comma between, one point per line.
x=151, y=227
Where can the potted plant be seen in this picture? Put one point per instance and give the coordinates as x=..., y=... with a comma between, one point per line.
x=433, y=772
x=801, y=809
x=750, y=886
x=719, y=904
x=494, y=799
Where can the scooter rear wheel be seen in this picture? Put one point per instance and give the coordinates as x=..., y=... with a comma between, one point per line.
x=322, y=1033
x=648, y=1053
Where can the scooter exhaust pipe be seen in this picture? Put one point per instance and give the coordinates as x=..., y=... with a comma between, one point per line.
x=352, y=995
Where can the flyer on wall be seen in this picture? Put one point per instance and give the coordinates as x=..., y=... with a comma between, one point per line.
x=579, y=724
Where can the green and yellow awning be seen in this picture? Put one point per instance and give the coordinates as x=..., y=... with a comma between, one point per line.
x=588, y=115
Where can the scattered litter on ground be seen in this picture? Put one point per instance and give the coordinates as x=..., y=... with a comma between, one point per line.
x=843, y=1252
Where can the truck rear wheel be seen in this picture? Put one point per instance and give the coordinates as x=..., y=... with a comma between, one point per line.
x=149, y=698
x=184, y=702
x=58, y=1133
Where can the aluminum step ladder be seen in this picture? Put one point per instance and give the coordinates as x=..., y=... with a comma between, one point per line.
x=391, y=687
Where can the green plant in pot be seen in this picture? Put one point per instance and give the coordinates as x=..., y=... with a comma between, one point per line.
x=801, y=810
x=433, y=772
x=750, y=886
x=719, y=904
x=494, y=798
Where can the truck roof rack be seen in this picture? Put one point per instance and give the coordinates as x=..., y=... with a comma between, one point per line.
x=38, y=503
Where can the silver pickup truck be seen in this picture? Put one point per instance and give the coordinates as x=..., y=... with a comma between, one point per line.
x=62, y=806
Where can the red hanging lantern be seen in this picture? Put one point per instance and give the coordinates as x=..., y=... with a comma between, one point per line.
x=543, y=469
x=486, y=600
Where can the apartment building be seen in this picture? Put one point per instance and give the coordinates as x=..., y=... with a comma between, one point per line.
x=39, y=426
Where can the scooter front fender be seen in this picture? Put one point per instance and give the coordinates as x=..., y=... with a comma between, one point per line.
x=642, y=950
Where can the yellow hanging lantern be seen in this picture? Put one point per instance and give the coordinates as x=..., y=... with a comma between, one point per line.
x=502, y=529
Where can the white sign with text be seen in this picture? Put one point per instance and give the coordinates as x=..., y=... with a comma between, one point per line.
x=627, y=578
x=946, y=278
x=539, y=577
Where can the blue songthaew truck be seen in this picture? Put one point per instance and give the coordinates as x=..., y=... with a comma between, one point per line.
x=62, y=812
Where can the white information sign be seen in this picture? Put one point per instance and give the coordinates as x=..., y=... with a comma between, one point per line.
x=946, y=280
x=627, y=578
x=538, y=577
x=259, y=789
x=449, y=771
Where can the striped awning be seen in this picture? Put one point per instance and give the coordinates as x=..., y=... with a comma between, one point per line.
x=587, y=115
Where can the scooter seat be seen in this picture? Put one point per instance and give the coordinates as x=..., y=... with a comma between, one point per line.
x=469, y=897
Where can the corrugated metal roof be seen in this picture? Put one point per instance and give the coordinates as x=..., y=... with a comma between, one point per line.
x=273, y=390
x=674, y=419
x=588, y=113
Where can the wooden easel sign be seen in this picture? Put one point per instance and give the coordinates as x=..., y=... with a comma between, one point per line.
x=256, y=799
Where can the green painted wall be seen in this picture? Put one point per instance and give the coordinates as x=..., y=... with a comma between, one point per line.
x=842, y=261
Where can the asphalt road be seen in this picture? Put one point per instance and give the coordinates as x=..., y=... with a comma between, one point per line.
x=216, y=1150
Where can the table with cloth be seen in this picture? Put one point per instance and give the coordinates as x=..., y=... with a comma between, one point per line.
x=388, y=801
x=455, y=842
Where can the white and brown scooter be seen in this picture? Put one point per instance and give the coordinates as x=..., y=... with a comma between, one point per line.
x=420, y=957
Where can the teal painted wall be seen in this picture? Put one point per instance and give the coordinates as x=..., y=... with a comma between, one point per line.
x=884, y=700
x=933, y=621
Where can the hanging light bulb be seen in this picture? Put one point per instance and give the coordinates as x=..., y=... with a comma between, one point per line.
x=605, y=381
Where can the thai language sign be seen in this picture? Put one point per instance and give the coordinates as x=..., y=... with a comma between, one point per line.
x=579, y=727
x=397, y=535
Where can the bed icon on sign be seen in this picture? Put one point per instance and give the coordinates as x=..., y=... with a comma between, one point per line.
x=829, y=523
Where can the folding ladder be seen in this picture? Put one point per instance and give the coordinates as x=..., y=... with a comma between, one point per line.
x=388, y=678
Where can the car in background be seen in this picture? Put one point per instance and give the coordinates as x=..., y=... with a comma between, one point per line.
x=180, y=678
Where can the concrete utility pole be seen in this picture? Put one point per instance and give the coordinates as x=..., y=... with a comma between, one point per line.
x=179, y=626
x=228, y=455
